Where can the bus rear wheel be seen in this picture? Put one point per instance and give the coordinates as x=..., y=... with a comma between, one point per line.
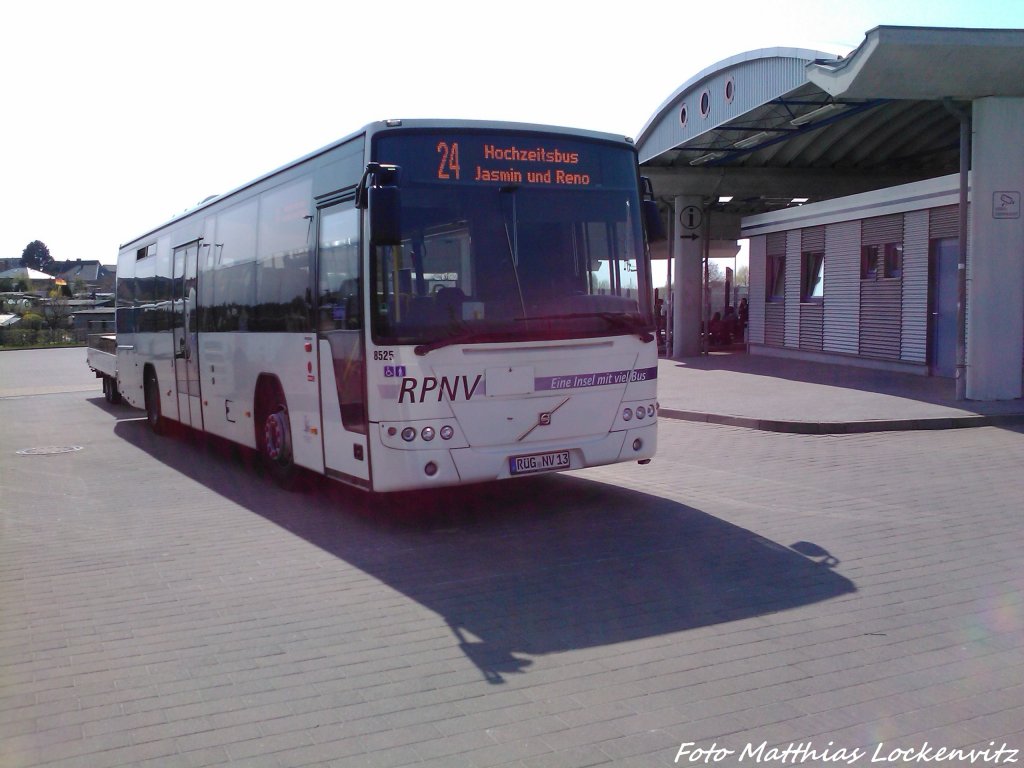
x=151, y=389
x=274, y=436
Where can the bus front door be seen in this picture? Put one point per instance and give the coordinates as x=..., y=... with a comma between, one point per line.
x=340, y=335
x=186, y=340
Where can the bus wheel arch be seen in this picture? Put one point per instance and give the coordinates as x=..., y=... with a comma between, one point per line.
x=273, y=431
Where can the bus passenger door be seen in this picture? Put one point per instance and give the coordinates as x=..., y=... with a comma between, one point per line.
x=341, y=345
x=186, y=339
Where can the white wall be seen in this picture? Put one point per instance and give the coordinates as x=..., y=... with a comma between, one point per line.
x=995, y=326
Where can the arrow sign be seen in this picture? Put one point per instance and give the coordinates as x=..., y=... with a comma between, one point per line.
x=689, y=237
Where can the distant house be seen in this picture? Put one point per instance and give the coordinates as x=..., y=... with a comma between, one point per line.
x=95, y=276
x=33, y=279
x=93, y=320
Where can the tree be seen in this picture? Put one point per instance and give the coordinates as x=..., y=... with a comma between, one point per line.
x=36, y=255
x=57, y=310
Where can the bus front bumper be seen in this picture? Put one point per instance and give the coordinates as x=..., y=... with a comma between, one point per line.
x=402, y=470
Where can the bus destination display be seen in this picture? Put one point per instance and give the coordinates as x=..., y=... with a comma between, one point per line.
x=511, y=163
x=499, y=159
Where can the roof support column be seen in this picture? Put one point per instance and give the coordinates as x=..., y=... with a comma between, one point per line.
x=995, y=292
x=961, y=264
x=688, y=275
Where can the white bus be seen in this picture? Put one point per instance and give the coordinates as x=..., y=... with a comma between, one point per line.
x=420, y=304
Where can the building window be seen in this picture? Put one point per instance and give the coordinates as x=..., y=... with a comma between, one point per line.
x=813, y=276
x=776, y=278
x=881, y=261
x=893, y=260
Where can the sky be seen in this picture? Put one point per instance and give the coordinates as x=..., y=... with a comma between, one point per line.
x=116, y=116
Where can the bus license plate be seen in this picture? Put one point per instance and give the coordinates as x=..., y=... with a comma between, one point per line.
x=539, y=462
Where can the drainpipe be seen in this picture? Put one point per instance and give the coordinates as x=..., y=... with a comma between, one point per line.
x=961, y=265
x=705, y=343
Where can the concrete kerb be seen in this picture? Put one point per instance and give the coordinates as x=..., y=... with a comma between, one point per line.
x=774, y=395
x=844, y=427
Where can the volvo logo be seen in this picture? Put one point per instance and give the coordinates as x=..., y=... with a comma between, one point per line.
x=543, y=420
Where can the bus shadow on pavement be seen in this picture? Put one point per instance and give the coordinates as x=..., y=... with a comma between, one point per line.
x=528, y=567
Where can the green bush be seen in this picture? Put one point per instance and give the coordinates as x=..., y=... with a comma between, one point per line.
x=32, y=320
x=21, y=336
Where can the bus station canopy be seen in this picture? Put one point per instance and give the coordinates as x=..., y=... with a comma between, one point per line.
x=782, y=126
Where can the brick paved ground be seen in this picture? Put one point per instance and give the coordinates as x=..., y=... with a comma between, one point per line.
x=163, y=605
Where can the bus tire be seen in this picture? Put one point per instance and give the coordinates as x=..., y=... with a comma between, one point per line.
x=110, y=391
x=274, y=435
x=154, y=416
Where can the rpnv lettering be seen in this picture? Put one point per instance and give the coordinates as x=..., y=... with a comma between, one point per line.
x=433, y=388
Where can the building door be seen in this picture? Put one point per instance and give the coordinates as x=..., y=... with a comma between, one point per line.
x=186, y=338
x=942, y=299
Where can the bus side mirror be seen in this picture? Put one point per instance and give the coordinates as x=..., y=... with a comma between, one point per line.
x=652, y=219
x=652, y=222
x=378, y=191
x=385, y=205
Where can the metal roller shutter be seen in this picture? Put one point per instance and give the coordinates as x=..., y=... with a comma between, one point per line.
x=881, y=230
x=881, y=298
x=944, y=222
x=842, y=288
x=914, y=334
x=792, y=302
x=812, y=324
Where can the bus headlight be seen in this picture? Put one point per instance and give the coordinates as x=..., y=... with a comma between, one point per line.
x=427, y=433
x=447, y=432
x=408, y=434
x=627, y=414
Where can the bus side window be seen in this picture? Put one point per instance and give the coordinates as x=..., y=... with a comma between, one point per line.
x=340, y=305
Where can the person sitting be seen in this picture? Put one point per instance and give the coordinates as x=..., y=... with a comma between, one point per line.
x=716, y=329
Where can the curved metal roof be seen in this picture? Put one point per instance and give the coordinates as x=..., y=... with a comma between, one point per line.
x=779, y=124
x=756, y=76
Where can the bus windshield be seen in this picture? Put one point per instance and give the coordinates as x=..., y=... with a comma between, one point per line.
x=510, y=237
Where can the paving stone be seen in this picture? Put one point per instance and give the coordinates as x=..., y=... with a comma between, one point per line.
x=745, y=587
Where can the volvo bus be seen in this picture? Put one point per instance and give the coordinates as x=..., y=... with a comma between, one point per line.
x=420, y=304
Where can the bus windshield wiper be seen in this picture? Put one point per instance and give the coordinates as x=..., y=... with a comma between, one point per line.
x=617, y=320
x=466, y=337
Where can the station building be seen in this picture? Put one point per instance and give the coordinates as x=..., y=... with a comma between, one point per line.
x=880, y=193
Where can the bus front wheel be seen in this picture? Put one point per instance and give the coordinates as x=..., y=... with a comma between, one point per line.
x=274, y=436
